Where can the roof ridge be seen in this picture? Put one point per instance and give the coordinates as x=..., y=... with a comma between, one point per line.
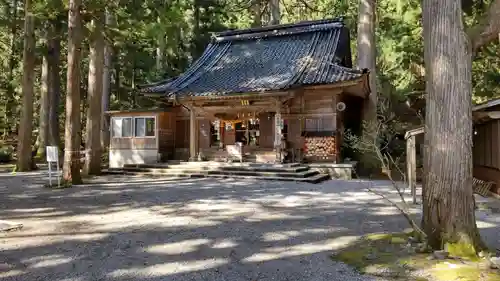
x=278, y=27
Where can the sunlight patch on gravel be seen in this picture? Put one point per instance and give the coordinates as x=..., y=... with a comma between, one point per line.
x=177, y=248
x=47, y=261
x=166, y=269
x=301, y=249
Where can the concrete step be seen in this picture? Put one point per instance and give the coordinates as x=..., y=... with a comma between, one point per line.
x=270, y=169
x=311, y=179
x=303, y=174
x=204, y=166
x=222, y=171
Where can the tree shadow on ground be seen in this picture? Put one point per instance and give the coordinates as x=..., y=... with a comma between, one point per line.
x=194, y=229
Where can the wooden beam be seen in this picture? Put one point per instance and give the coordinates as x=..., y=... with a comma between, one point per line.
x=486, y=114
x=411, y=166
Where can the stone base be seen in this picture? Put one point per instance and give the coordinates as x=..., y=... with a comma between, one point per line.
x=335, y=170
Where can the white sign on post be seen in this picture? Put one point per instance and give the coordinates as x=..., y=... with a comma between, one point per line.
x=53, y=156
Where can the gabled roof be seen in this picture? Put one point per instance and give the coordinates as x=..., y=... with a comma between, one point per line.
x=487, y=104
x=267, y=59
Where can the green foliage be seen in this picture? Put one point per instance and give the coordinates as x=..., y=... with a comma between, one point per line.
x=184, y=27
x=6, y=152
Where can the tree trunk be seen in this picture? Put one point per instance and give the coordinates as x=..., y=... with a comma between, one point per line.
x=71, y=167
x=106, y=89
x=256, y=11
x=94, y=98
x=367, y=58
x=54, y=85
x=24, y=153
x=10, y=91
x=43, y=126
x=274, y=6
x=448, y=202
x=117, y=85
x=160, y=49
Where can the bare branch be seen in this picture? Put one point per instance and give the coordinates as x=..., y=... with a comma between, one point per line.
x=487, y=30
x=405, y=213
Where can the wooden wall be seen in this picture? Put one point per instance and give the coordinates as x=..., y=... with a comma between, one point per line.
x=166, y=125
x=182, y=134
x=317, y=108
x=486, y=152
x=266, y=127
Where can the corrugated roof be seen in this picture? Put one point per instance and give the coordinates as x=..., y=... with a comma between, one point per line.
x=265, y=59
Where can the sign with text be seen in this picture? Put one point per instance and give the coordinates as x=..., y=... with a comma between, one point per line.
x=52, y=154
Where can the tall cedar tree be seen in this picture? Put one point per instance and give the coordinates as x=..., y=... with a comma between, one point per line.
x=274, y=7
x=94, y=97
x=24, y=153
x=449, y=218
x=54, y=81
x=71, y=167
x=43, y=126
x=367, y=58
x=106, y=87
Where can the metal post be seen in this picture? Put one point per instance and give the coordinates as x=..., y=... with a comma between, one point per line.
x=50, y=173
x=58, y=173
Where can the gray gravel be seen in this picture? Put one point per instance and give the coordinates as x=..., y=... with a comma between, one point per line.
x=132, y=228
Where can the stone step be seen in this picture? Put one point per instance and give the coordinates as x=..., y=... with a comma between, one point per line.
x=312, y=179
x=303, y=174
x=253, y=167
x=223, y=171
x=295, y=169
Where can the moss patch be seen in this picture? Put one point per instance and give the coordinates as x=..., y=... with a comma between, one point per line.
x=7, y=167
x=461, y=249
x=388, y=255
x=445, y=271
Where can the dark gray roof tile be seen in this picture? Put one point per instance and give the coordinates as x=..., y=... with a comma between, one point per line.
x=264, y=59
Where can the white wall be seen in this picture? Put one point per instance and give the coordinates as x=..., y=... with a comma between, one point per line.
x=119, y=157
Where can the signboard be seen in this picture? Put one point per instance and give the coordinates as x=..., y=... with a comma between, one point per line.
x=53, y=157
x=52, y=154
x=235, y=150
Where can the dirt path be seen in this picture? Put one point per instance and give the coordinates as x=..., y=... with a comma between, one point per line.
x=151, y=229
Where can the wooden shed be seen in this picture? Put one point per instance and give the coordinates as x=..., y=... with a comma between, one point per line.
x=141, y=136
x=486, y=150
x=486, y=145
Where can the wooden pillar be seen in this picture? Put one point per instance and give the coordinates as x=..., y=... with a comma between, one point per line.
x=222, y=127
x=411, y=165
x=338, y=127
x=277, y=131
x=193, y=135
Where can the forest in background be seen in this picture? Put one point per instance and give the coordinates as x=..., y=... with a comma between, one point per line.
x=153, y=40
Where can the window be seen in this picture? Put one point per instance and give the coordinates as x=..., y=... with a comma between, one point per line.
x=124, y=127
x=320, y=124
x=144, y=126
x=121, y=127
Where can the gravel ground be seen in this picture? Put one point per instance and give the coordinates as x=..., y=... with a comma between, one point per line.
x=132, y=228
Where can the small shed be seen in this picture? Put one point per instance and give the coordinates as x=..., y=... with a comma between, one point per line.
x=486, y=145
x=140, y=136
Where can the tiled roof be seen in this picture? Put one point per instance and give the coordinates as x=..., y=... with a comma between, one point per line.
x=266, y=59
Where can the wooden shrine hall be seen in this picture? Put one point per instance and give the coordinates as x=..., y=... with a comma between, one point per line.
x=253, y=93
